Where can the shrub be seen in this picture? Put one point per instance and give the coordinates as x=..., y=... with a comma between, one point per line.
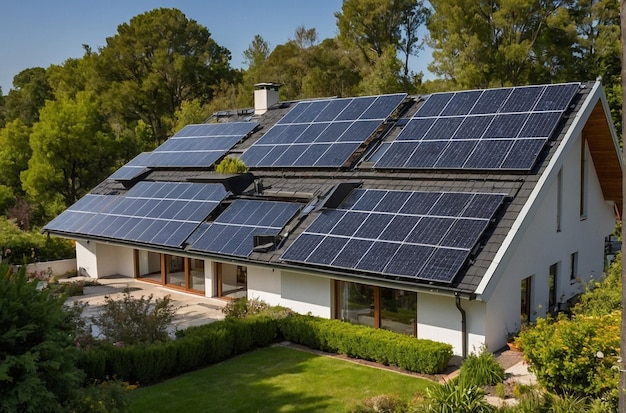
x=195, y=347
x=455, y=396
x=31, y=246
x=104, y=397
x=382, y=346
x=563, y=354
x=482, y=369
x=243, y=307
x=382, y=403
x=135, y=320
x=603, y=297
x=231, y=165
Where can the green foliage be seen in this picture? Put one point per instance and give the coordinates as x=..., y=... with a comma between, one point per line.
x=456, y=396
x=563, y=354
x=7, y=199
x=14, y=154
x=20, y=246
x=382, y=346
x=231, y=165
x=37, y=355
x=72, y=151
x=190, y=112
x=243, y=307
x=382, y=403
x=104, y=397
x=30, y=92
x=482, y=369
x=195, y=347
x=135, y=320
x=156, y=61
x=605, y=296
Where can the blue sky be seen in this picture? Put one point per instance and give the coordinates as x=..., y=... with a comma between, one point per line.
x=40, y=32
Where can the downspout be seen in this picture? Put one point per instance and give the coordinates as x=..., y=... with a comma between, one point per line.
x=457, y=301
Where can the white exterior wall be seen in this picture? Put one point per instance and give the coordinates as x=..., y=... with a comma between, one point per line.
x=541, y=245
x=99, y=260
x=439, y=319
x=86, y=258
x=264, y=284
x=306, y=294
x=115, y=260
x=209, y=276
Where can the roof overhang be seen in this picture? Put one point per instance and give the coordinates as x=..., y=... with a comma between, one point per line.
x=605, y=152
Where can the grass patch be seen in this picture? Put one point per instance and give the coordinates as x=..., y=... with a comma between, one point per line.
x=275, y=379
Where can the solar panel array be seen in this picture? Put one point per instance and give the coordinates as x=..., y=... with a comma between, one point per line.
x=158, y=213
x=232, y=233
x=321, y=133
x=480, y=129
x=193, y=146
x=415, y=235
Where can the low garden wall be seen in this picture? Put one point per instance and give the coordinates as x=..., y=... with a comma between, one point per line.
x=57, y=268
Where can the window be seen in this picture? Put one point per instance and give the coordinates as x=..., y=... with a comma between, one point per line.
x=559, y=199
x=553, y=286
x=584, y=176
x=232, y=280
x=377, y=307
x=398, y=310
x=171, y=270
x=526, y=294
x=573, y=268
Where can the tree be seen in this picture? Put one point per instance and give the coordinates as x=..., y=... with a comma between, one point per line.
x=501, y=42
x=37, y=356
x=154, y=63
x=72, y=152
x=384, y=75
x=14, y=153
x=374, y=25
x=31, y=90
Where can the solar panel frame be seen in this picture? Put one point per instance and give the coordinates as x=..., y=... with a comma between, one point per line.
x=509, y=116
x=362, y=235
x=232, y=232
x=330, y=123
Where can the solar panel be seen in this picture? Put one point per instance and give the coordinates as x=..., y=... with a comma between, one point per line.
x=413, y=235
x=157, y=213
x=490, y=129
x=232, y=233
x=193, y=146
x=321, y=133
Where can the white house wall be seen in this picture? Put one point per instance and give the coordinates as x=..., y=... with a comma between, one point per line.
x=306, y=294
x=115, y=260
x=100, y=260
x=86, y=258
x=264, y=284
x=541, y=246
x=439, y=319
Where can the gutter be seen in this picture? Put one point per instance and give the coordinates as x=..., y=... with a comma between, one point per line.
x=457, y=302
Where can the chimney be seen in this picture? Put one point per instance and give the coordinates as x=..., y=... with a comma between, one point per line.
x=265, y=95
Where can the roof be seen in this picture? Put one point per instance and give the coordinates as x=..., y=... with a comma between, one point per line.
x=352, y=165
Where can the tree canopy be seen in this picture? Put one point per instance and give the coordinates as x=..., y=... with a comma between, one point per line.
x=154, y=63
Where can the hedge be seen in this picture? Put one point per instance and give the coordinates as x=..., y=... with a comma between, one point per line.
x=358, y=341
x=201, y=346
x=195, y=347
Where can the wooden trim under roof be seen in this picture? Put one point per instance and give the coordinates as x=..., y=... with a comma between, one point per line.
x=598, y=134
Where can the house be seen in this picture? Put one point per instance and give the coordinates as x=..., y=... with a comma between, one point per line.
x=451, y=216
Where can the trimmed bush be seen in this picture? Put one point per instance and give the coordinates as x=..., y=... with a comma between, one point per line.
x=195, y=347
x=382, y=346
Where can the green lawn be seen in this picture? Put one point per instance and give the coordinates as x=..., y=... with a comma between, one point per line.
x=275, y=379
